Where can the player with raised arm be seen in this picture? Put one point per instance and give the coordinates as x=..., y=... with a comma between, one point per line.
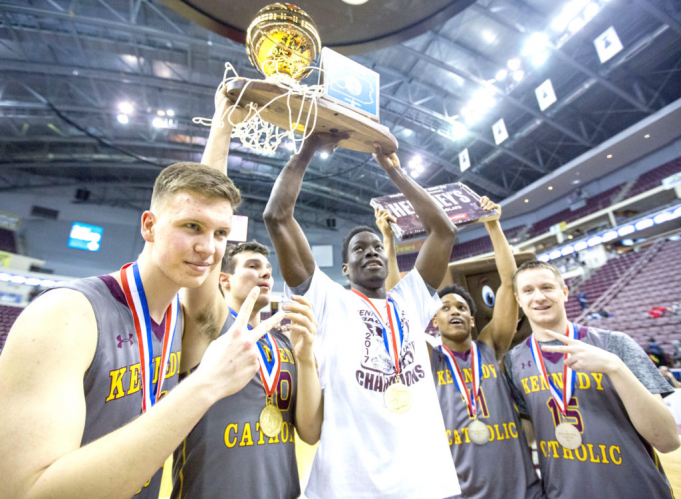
x=383, y=434
x=483, y=427
x=594, y=397
x=244, y=445
x=85, y=359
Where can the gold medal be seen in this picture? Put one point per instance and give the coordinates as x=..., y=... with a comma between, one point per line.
x=479, y=432
x=398, y=398
x=270, y=419
x=568, y=436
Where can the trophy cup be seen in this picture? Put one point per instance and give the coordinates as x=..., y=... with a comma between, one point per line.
x=283, y=44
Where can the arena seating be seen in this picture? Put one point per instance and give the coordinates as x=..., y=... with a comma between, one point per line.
x=7, y=317
x=658, y=283
x=600, y=281
x=654, y=177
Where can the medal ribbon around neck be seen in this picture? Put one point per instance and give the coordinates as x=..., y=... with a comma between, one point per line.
x=476, y=369
x=393, y=342
x=137, y=301
x=269, y=369
x=562, y=397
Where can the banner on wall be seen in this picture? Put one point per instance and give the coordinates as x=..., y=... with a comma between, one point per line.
x=9, y=221
x=5, y=258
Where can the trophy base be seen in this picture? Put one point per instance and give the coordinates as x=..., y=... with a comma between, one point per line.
x=331, y=116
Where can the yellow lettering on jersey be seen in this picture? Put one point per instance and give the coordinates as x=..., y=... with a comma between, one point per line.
x=134, y=379
x=117, y=390
x=598, y=377
x=493, y=370
x=261, y=439
x=467, y=375
x=246, y=439
x=512, y=429
x=457, y=437
x=557, y=379
x=292, y=432
x=464, y=432
x=567, y=454
x=534, y=382
x=228, y=440
x=273, y=440
x=499, y=437
x=591, y=454
x=449, y=437
x=543, y=447
x=491, y=433
x=584, y=381
x=284, y=432
x=172, y=365
x=615, y=460
x=485, y=371
x=286, y=355
x=506, y=431
x=526, y=386
x=157, y=365
x=441, y=378
x=583, y=457
x=554, y=447
x=605, y=459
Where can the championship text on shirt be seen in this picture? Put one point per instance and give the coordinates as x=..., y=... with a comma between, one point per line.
x=376, y=372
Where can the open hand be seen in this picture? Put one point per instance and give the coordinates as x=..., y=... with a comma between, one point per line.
x=582, y=356
x=302, y=329
x=387, y=162
x=231, y=361
x=488, y=205
x=383, y=219
x=226, y=111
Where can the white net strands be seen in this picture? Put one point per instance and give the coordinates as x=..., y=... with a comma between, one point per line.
x=259, y=135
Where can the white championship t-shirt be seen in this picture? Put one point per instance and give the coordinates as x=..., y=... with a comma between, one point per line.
x=367, y=451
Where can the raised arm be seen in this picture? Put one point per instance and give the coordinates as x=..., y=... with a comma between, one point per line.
x=217, y=148
x=293, y=251
x=383, y=217
x=498, y=334
x=433, y=258
x=49, y=349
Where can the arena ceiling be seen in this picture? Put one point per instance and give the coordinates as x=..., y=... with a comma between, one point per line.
x=67, y=65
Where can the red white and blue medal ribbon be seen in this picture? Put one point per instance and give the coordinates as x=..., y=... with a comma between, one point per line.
x=270, y=369
x=459, y=382
x=137, y=301
x=562, y=397
x=394, y=341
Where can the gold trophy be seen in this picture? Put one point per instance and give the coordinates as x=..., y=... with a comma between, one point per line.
x=282, y=42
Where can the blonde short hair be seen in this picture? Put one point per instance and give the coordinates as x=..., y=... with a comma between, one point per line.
x=195, y=178
x=536, y=264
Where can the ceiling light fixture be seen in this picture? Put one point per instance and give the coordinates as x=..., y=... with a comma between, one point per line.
x=123, y=119
x=527, y=200
x=646, y=136
x=513, y=64
x=355, y=2
x=609, y=156
x=518, y=75
x=125, y=107
x=550, y=188
x=501, y=74
x=324, y=155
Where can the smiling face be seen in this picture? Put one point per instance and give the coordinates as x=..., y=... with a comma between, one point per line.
x=542, y=296
x=188, y=234
x=454, y=319
x=250, y=269
x=367, y=262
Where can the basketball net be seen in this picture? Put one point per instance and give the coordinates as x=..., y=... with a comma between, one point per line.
x=256, y=133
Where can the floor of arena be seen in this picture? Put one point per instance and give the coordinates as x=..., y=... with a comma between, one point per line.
x=305, y=455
